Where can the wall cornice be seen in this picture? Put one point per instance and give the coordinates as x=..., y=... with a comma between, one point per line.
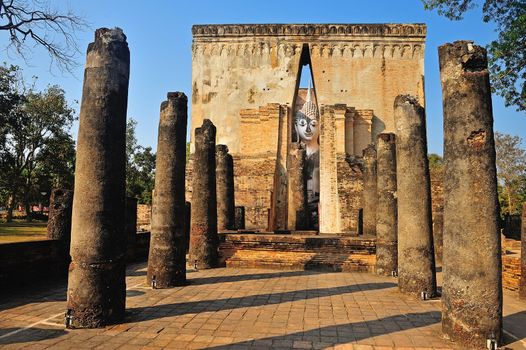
x=411, y=30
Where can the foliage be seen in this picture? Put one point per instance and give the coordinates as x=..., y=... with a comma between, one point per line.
x=31, y=23
x=511, y=171
x=37, y=151
x=140, y=167
x=507, y=54
x=436, y=163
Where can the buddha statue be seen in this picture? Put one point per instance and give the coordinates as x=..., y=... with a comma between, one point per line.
x=307, y=128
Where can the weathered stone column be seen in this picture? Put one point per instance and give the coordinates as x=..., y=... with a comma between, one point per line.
x=225, y=189
x=167, y=257
x=203, y=232
x=416, y=255
x=96, y=287
x=130, y=226
x=370, y=195
x=298, y=218
x=386, y=235
x=59, y=221
x=522, y=285
x=438, y=240
x=240, y=218
x=188, y=211
x=472, y=288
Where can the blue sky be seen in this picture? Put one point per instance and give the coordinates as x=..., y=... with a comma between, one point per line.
x=159, y=36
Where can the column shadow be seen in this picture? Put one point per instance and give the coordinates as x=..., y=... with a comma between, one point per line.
x=38, y=293
x=178, y=309
x=515, y=324
x=248, y=277
x=330, y=336
x=28, y=335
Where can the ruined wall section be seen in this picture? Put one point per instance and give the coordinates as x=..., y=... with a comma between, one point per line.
x=369, y=67
x=236, y=69
x=231, y=72
x=341, y=177
x=350, y=188
x=254, y=170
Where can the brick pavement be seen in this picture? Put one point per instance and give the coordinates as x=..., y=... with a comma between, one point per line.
x=248, y=309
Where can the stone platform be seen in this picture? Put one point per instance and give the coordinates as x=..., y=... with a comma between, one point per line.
x=224, y=309
x=298, y=252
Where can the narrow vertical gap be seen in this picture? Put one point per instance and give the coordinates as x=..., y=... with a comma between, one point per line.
x=306, y=129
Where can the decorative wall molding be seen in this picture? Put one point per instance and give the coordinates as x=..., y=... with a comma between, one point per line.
x=417, y=30
x=344, y=49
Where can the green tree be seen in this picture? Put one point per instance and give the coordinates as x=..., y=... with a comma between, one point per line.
x=10, y=100
x=436, y=163
x=140, y=167
x=36, y=142
x=511, y=171
x=507, y=58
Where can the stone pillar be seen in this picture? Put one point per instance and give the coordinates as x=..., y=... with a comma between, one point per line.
x=416, y=255
x=240, y=218
x=188, y=211
x=59, y=221
x=203, y=232
x=362, y=129
x=386, y=235
x=472, y=288
x=370, y=196
x=279, y=198
x=438, y=228
x=130, y=226
x=298, y=211
x=96, y=287
x=349, y=132
x=167, y=257
x=522, y=285
x=225, y=189
x=329, y=212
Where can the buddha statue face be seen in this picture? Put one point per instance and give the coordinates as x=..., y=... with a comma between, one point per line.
x=306, y=128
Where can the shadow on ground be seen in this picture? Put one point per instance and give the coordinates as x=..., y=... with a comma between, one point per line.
x=177, y=309
x=516, y=325
x=344, y=334
x=28, y=335
x=38, y=292
x=249, y=277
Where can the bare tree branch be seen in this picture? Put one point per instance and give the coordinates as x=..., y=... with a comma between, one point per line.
x=34, y=21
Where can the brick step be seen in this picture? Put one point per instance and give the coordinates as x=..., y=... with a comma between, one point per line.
x=278, y=260
x=291, y=243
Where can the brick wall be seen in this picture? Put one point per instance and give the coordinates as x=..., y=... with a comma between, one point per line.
x=24, y=263
x=511, y=272
x=144, y=216
x=350, y=188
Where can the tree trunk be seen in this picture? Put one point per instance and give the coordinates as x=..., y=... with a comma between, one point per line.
x=509, y=200
x=10, y=207
x=27, y=208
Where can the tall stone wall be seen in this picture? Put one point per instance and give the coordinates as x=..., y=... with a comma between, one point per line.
x=237, y=67
x=244, y=76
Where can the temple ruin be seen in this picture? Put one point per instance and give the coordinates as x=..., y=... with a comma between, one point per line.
x=332, y=177
x=245, y=79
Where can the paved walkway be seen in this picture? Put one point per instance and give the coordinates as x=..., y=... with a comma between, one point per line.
x=248, y=309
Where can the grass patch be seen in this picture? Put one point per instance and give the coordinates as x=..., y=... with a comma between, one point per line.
x=21, y=231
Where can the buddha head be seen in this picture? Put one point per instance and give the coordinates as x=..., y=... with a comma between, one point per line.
x=306, y=121
x=306, y=128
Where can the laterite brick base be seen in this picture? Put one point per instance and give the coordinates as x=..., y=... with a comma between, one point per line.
x=298, y=252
